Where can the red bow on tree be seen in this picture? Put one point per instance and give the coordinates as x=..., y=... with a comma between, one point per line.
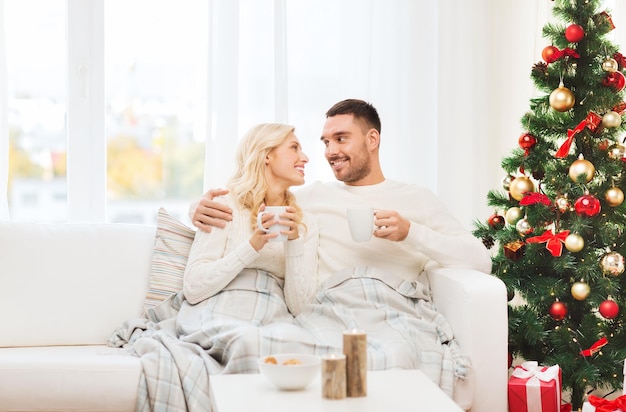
x=604, y=405
x=595, y=348
x=554, y=243
x=592, y=121
x=558, y=54
x=531, y=198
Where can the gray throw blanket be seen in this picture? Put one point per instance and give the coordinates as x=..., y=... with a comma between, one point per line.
x=181, y=345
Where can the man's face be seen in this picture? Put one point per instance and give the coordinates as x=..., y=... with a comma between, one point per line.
x=346, y=149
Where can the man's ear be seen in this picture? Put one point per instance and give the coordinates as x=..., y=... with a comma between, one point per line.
x=373, y=138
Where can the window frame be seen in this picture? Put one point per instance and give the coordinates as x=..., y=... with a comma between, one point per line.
x=86, y=138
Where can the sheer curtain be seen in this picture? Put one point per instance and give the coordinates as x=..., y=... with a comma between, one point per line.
x=4, y=129
x=291, y=61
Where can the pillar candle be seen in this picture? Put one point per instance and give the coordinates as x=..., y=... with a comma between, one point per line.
x=334, y=376
x=355, y=349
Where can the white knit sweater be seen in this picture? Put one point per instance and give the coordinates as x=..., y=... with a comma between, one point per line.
x=218, y=256
x=435, y=237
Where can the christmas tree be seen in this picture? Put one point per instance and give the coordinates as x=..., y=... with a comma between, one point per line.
x=557, y=231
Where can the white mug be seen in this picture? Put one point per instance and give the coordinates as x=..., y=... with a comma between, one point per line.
x=361, y=222
x=276, y=211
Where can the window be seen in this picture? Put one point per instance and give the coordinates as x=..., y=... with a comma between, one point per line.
x=118, y=107
x=35, y=63
x=155, y=77
x=154, y=93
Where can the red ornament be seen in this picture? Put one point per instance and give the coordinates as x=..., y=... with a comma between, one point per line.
x=510, y=359
x=527, y=141
x=574, y=33
x=603, y=145
x=558, y=311
x=548, y=54
x=587, y=205
x=614, y=80
x=609, y=309
x=496, y=221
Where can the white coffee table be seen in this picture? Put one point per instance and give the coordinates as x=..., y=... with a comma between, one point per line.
x=395, y=390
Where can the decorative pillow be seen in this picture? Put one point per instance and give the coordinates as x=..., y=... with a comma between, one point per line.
x=171, y=249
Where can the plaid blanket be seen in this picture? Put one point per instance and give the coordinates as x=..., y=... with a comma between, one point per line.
x=181, y=345
x=404, y=330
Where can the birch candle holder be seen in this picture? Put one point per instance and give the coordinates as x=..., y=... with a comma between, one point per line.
x=355, y=350
x=334, y=376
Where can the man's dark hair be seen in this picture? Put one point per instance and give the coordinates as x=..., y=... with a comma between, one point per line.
x=360, y=109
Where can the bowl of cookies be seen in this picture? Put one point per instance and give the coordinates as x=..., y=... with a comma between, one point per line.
x=290, y=371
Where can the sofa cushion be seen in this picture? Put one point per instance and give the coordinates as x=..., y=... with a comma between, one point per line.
x=68, y=378
x=171, y=248
x=71, y=283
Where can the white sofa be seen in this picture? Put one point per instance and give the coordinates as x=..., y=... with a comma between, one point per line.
x=65, y=287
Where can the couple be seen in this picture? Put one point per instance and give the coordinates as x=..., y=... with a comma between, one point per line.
x=245, y=297
x=414, y=231
x=248, y=289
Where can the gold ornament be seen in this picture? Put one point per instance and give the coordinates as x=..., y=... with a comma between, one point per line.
x=562, y=203
x=580, y=290
x=581, y=167
x=562, y=99
x=523, y=227
x=610, y=65
x=611, y=119
x=519, y=186
x=513, y=215
x=574, y=242
x=616, y=151
x=614, y=196
x=612, y=263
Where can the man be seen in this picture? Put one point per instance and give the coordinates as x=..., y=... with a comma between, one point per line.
x=414, y=229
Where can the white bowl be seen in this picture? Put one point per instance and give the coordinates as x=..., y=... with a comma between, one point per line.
x=288, y=376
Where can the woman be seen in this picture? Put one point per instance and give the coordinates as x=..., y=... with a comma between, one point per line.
x=269, y=161
x=238, y=288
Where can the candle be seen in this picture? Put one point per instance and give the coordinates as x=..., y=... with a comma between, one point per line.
x=334, y=376
x=355, y=349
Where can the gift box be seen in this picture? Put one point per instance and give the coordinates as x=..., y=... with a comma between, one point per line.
x=514, y=250
x=535, y=388
x=596, y=404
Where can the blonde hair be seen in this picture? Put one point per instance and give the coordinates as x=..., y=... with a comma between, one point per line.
x=249, y=184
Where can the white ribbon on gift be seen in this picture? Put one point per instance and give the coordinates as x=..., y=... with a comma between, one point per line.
x=532, y=370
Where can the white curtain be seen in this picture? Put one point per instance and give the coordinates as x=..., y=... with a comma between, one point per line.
x=450, y=79
x=4, y=129
x=291, y=61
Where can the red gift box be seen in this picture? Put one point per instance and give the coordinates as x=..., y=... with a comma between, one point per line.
x=534, y=388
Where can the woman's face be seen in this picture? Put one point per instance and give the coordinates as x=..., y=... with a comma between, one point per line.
x=285, y=165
